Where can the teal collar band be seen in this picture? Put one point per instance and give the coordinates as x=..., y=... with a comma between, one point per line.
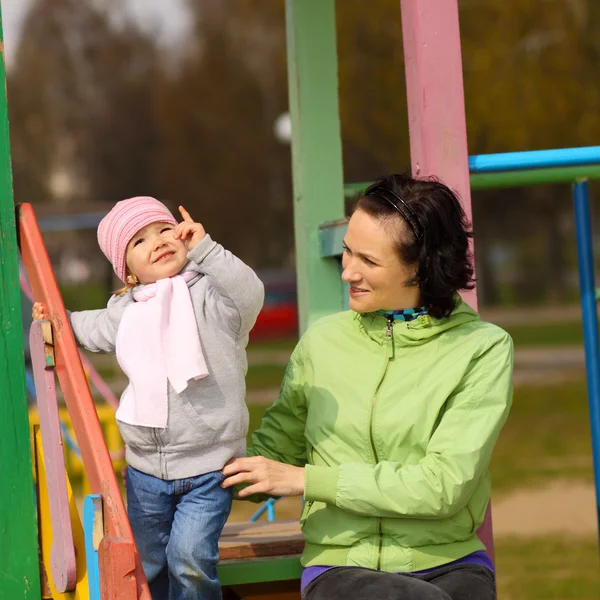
x=406, y=314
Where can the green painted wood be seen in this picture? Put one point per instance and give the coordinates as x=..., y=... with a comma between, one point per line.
x=484, y=181
x=481, y=181
x=331, y=236
x=19, y=576
x=260, y=570
x=316, y=150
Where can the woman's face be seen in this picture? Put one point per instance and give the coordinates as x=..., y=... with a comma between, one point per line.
x=372, y=267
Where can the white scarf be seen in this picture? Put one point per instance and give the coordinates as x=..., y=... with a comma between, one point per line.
x=157, y=344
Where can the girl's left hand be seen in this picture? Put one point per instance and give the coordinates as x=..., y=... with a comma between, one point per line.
x=188, y=230
x=266, y=476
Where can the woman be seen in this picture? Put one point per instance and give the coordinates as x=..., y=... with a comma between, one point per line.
x=388, y=413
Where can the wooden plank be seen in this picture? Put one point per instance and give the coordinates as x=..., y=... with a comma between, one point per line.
x=116, y=561
x=276, y=590
x=256, y=540
x=316, y=150
x=436, y=113
x=97, y=461
x=19, y=576
x=62, y=562
x=436, y=105
x=81, y=591
x=93, y=530
x=259, y=570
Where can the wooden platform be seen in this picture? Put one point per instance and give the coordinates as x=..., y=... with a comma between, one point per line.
x=261, y=560
x=260, y=540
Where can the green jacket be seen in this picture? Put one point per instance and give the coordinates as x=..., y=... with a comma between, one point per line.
x=395, y=425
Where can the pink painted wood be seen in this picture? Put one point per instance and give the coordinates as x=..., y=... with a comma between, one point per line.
x=436, y=113
x=103, y=389
x=436, y=105
x=62, y=557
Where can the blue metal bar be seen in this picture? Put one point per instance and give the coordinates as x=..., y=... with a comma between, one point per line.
x=268, y=507
x=535, y=159
x=30, y=384
x=585, y=259
x=271, y=511
x=71, y=222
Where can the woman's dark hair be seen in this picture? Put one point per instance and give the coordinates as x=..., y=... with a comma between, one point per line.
x=437, y=235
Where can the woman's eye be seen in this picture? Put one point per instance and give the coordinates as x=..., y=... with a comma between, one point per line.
x=369, y=262
x=345, y=248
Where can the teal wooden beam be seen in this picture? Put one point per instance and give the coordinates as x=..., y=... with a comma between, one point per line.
x=331, y=236
x=281, y=568
x=486, y=181
x=19, y=576
x=316, y=150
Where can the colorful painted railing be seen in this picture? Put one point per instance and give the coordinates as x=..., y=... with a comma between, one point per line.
x=123, y=576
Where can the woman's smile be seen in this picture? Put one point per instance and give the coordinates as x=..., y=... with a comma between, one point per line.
x=356, y=291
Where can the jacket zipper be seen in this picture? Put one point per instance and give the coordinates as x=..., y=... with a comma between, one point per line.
x=388, y=335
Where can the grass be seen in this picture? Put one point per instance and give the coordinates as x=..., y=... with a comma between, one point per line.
x=547, y=436
x=287, y=344
x=264, y=376
x=551, y=334
x=548, y=568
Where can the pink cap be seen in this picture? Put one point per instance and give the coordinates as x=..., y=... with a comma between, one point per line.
x=125, y=219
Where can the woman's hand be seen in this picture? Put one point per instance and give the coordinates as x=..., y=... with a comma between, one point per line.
x=39, y=312
x=188, y=230
x=265, y=476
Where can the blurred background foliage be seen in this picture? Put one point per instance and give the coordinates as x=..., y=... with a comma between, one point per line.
x=101, y=111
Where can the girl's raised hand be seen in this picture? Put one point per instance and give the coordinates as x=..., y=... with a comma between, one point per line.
x=39, y=312
x=188, y=230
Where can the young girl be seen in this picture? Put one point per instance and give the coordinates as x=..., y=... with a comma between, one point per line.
x=179, y=328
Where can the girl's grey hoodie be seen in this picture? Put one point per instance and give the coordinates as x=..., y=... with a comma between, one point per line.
x=208, y=421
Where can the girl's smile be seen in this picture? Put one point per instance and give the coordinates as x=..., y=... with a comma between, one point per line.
x=154, y=253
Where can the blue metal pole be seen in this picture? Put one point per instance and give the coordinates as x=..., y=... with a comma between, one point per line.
x=585, y=258
x=535, y=159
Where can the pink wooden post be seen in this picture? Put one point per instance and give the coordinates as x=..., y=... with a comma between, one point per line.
x=436, y=105
x=62, y=556
x=436, y=112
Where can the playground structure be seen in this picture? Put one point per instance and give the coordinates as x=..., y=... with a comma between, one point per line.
x=258, y=560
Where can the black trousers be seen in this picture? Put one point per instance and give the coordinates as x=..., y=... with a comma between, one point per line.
x=462, y=582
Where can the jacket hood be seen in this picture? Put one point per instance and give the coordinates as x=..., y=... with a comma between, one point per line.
x=418, y=331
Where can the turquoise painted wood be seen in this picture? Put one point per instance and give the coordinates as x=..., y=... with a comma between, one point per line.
x=316, y=150
x=19, y=576
x=240, y=572
x=93, y=528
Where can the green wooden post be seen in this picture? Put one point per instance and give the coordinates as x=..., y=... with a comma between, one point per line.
x=316, y=151
x=19, y=575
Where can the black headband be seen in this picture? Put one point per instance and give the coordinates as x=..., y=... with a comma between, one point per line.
x=382, y=193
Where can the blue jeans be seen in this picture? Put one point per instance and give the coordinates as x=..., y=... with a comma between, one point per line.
x=176, y=525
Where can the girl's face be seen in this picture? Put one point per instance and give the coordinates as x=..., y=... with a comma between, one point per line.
x=153, y=253
x=376, y=275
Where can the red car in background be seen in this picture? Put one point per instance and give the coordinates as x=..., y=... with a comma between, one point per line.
x=278, y=318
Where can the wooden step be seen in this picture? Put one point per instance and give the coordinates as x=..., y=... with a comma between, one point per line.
x=260, y=539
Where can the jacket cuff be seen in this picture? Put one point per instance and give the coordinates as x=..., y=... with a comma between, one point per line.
x=321, y=483
x=202, y=249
